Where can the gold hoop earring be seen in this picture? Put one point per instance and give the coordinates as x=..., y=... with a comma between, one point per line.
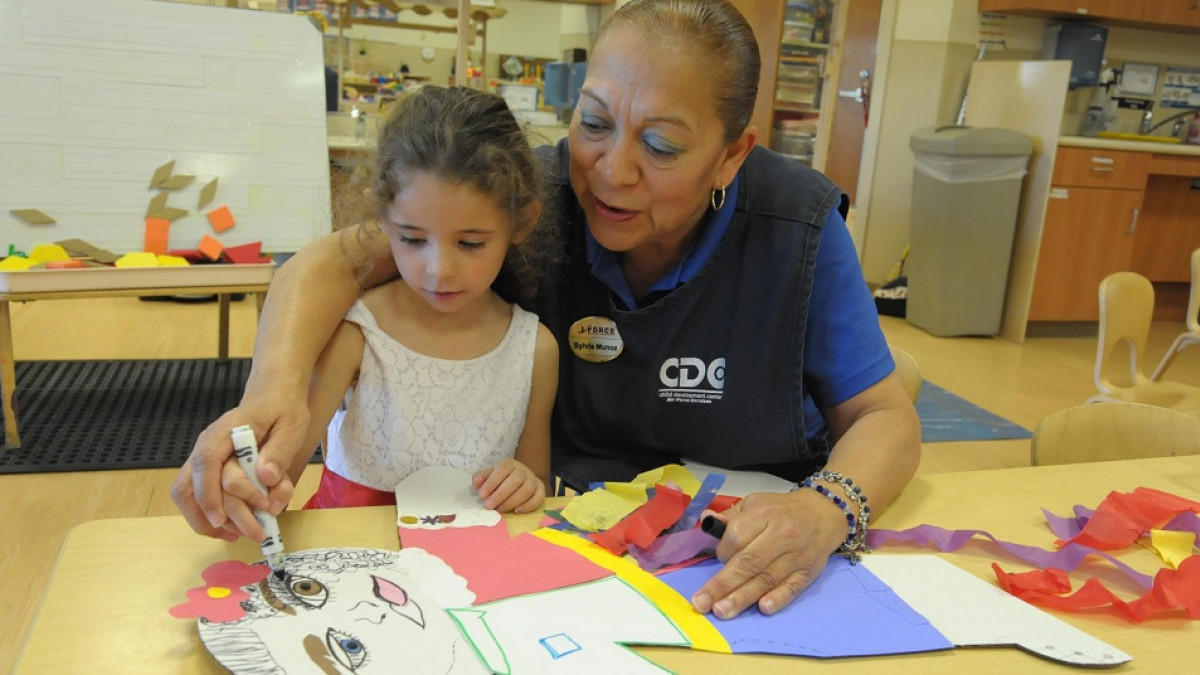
x=712, y=199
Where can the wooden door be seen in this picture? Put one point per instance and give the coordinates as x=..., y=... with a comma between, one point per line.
x=848, y=124
x=1088, y=234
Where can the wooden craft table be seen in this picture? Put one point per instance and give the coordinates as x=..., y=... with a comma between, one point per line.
x=105, y=606
x=8, y=375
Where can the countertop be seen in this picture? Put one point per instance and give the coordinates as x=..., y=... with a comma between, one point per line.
x=1134, y=146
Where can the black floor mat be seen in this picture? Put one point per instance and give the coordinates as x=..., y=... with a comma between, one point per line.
x=102, y=415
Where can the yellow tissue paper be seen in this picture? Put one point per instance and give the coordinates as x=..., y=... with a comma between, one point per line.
x=44, y=253
x=15, y=263
x=172, y=261
x=1172, y=546
x=671, y=473
x=598, y=510
x=137, y=259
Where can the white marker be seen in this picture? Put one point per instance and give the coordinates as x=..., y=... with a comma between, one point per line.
x=245, y=446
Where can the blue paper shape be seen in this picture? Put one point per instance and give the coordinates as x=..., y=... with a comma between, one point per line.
x=846, y=612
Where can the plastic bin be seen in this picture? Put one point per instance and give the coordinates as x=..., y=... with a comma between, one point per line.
x=966, y=192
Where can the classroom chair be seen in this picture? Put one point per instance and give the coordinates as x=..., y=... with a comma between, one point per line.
x=909, y=372
x=1192, y=335
x=1126, y=309
x=1108, y=431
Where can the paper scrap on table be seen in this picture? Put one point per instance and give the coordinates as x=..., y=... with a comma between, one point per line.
x=970, y=612
x=741, y=483
x=644, y=525
x=440, y=496
x=1123, y=517
x=581, y=629
x=879, y=622
x=347, y=606
x=1173, y=591
x=1173, y=547
x=597, y=510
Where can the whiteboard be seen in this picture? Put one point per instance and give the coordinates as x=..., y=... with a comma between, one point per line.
x=95, y=95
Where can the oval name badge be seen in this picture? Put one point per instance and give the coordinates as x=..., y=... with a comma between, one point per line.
x=595, y=339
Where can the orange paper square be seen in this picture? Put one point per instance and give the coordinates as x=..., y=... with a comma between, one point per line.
x=221, y=219
x=158, y=230
x=211, y=248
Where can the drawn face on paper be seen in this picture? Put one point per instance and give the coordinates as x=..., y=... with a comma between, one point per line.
x=439, y=497
x=343, y=611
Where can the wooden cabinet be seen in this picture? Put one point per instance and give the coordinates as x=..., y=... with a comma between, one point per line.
x=1172, y=15
x=1088, y=234
x=1177, y=12
x=1169, y=229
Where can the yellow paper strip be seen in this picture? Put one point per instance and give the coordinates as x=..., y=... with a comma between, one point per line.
x=1172, y=546
x=702, y=634
x=671, y=473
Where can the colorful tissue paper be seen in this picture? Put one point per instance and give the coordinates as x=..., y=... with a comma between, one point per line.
x=648, y=521
x=1172, y=591
x=1123, y=517
x=1173, y=547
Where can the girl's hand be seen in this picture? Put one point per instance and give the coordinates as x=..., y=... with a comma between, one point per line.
x=774, y=546
x=510, y=487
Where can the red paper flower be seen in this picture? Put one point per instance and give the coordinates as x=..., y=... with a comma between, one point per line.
x=220, y=599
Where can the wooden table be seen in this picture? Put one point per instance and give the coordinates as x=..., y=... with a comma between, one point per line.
x=89, y=622
x=8, y=374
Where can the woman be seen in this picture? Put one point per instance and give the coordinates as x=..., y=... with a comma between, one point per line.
x=710, y=305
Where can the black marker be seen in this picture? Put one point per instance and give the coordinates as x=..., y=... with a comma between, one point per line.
x=710, y=525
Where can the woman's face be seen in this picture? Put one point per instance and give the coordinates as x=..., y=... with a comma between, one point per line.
x=647, y=147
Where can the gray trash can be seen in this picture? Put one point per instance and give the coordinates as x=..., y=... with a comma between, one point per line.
x=966, y=191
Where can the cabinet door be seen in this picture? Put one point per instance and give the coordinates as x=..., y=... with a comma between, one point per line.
x=1172, y=12
x=1088, y=234
x=1169, y=230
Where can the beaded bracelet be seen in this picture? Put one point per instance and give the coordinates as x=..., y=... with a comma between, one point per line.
x=855, y=543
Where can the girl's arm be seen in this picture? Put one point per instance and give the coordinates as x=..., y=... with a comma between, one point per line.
x=335, y=370
x=307, y=299
x=533, y=449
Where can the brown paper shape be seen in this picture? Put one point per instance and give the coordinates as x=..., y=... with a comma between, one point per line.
x=169, y=213
x=33, y=216
x=76, y=247
x=157, y=203
x=162, y=173
x=207, y=193
x=177, y=182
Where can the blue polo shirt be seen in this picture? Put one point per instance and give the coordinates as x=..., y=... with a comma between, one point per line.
x=845, y=351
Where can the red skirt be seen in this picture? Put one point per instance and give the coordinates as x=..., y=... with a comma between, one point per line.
x=336, y=492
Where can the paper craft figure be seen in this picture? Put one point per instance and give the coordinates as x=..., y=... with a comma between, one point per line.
x=439, y=511
x=177, y=182
x=581, y=629
x=32, y=216
x=158, y=232
x=211, y=248
x=341, y=611
x=157, y=203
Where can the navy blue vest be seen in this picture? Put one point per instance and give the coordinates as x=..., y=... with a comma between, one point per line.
x=714, y=371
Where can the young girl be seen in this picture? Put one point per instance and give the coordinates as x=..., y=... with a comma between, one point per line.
x=436, y=368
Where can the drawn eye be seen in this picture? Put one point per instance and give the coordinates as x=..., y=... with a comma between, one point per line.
x=346, y=649
x=310, y=592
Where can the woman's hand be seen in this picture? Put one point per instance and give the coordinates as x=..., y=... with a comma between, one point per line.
x=774, y=546
x=280, y=422
x=510, y=487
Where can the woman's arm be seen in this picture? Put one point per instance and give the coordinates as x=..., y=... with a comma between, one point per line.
x=307, y=299
x=533, y=449
x=775, y=545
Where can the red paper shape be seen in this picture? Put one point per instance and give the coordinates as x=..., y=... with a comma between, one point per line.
x=158, y=230
x=245, y=254
x=221, y=219
x=1123, y=517
x=648, y=521
x=190, y=254
x=211, y=248
x=1172, y=591
x=497, y=567
x=220, y=599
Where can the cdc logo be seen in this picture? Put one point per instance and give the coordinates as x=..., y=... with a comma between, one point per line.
x=690, y=372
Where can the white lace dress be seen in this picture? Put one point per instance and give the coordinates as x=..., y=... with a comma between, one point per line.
x=409, y=411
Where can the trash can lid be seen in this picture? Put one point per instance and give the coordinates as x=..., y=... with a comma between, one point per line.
x=958, y=140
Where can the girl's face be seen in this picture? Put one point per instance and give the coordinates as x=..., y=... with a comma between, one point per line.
x=647, y=147
x=449, y=240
